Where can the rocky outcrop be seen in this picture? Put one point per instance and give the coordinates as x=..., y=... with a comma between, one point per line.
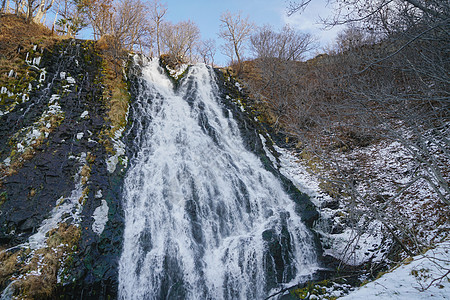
x=53, y=160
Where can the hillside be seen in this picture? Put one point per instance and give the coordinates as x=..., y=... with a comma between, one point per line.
x=368, y=147
x=58, y=155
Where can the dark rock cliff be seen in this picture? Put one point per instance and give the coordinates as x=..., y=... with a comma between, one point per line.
x=53, y=160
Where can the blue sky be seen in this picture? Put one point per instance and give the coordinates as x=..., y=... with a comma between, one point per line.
x=206, y=14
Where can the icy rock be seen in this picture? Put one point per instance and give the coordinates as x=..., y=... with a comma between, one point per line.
x=7, y=161
x=42, y=76
x=36, y=61
x=84, y=114
x=100, y=218
x=99, y=194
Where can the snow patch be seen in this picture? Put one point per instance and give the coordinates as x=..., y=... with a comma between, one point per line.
x=268, y=153
x=71, y=80
x=42, y=76
x=65, y=208
x=177, y=72
x=84, y=114
x=350, y=245
x=410, y=280
x=99, y=194
x=7, y=161
x=100, y=217
x=37, y=61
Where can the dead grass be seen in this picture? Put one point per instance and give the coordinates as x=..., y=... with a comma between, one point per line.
x=39, y=276
x=17, y=37
x=116, y=98
x=8, y=265
x=16, y=34
x=85, y=173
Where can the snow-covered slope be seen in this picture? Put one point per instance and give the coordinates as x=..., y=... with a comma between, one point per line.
x=425, y=277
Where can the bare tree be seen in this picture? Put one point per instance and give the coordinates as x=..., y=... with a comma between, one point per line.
x=42, y=8
x=130, y=25
x=235, y=30
x=285, y=45
x=157, y=12
x=383, y=13
x=5, y=6
x=352, y=38
x=388, y=81
x=180, y=39
x=207, y=50
x=100, y=16
x=34, y=10
x=69, y=18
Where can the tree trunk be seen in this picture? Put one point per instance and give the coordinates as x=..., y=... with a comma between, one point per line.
x=41, y=11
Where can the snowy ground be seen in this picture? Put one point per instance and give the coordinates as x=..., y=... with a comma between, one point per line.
x=382, y=169
x=425, y=277
x=347, y=244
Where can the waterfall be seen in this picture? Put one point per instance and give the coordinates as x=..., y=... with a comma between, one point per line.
x=203, y=218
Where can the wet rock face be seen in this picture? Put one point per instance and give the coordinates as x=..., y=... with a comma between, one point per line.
x=250, y=130
x=53, y=144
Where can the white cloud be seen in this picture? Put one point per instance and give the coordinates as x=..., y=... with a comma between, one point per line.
x=310, y=21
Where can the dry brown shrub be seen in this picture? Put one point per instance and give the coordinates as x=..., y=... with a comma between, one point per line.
x=8, y=265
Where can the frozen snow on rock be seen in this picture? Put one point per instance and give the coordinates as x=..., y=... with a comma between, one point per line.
x=299, y=175
x=99, y=194
x=32, y=135
x=349, y=246
x=53, y=98
x=266, y=150
x=28, y=61
x=426, y=277
x=177, y=72
x=37, y=61
x=20, y=147
x=119, y=147
x=84, y=114
x=65, y=209
x=42, y=75
x=357, y=248
x=80, y=135
x=7, y=161
x=100, y=217
x=70, y=80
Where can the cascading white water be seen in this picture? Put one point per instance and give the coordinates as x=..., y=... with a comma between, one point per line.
x=203, y=218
